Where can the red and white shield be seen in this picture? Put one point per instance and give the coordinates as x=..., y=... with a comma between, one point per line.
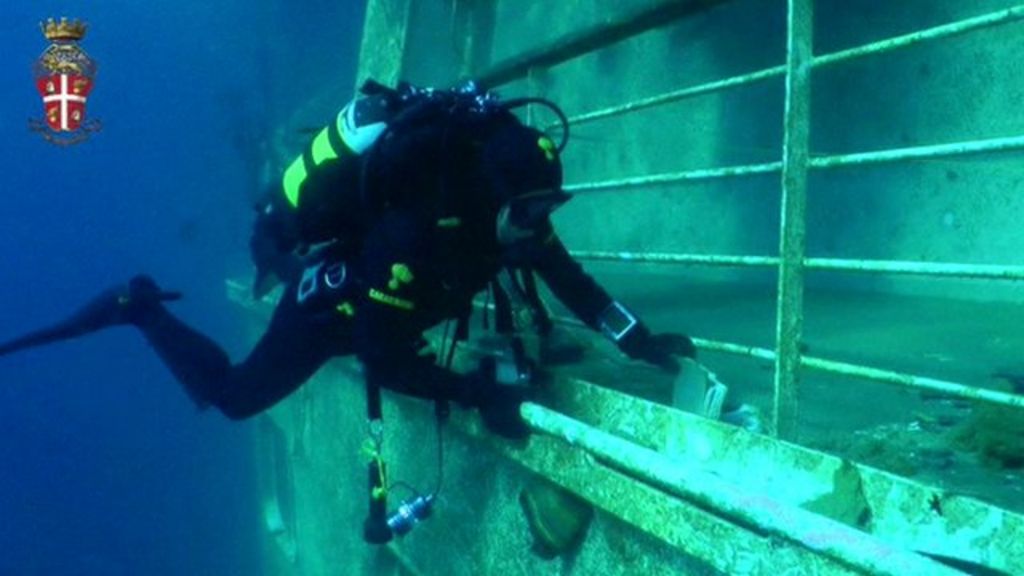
x=64, y=98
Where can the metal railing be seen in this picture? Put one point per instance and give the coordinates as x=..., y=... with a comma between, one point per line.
x=795, y=164
x=881, y=47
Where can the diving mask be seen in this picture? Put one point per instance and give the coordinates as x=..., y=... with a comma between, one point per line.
x=522, y=216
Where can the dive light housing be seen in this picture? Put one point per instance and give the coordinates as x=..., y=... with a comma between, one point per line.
x=409, y=514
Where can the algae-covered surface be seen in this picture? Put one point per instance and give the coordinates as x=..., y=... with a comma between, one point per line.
x=962, y=446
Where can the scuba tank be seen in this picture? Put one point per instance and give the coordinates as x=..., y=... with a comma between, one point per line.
x=329, y=189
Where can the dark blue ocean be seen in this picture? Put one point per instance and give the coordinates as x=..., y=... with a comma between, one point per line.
x=106, y=469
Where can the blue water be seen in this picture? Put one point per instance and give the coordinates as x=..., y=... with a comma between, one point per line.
x=105, y=467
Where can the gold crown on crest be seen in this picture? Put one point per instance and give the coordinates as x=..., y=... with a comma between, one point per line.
x=63, y=30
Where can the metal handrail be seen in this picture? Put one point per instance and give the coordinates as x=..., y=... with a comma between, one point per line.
x=946, y=387
x=944, y=31
x=905, y=267
x=966, y=148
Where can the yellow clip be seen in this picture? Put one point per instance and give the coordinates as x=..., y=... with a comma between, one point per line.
x=548, y=146
x=451, y=222
x=400, y=274
x=368, y=449
x=346, y=309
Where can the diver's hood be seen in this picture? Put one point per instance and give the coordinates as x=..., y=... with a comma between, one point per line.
x=519, y=161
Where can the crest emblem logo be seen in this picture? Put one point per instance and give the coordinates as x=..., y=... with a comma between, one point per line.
x=64, y=76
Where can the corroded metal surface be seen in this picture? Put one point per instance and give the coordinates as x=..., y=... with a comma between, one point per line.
x=827, y=540
x=895, y=509
x=384, y=37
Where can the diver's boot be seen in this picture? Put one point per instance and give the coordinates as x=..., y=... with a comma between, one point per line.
x=197, y=362
x=141, y=300
x=133, y=303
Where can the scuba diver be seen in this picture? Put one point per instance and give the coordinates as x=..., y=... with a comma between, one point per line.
x=396, y=214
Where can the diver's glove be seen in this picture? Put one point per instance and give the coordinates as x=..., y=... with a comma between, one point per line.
x=661, y=350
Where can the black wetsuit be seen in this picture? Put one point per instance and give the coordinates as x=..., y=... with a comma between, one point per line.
x=412, y=239
x=412, y=267
x=383, y=332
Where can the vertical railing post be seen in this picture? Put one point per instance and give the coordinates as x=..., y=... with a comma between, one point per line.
x=789, y=310
x=384, y=41
x=472, y=31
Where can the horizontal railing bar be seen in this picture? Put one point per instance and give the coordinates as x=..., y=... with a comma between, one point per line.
x=914, y=381
x=854, y=370
x=954, y=270
x=669, y=258
x=864, y=372
x=920, y=152
x=676, y=95
x=857, y=159
x=880, y=47
x=676, y=177
x=875, y=374
x=989, y=20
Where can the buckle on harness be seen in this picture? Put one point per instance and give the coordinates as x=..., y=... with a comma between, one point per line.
x=333, y=277
x=308, y=284
x=335, y=274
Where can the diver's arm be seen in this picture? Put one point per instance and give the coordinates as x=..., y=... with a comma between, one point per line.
x=584, y=297
x=592, y=304
x=290, y=351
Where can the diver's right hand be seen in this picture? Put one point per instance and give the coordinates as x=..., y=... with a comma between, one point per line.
x=662, y=350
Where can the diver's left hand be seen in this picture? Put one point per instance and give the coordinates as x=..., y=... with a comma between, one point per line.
x=661, y=350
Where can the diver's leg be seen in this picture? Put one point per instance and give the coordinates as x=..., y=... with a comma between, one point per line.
x=295, y=345
x=117, y=306
x=289, y=352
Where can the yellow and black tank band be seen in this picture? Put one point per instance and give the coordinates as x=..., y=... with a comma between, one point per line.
x=328, y=145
